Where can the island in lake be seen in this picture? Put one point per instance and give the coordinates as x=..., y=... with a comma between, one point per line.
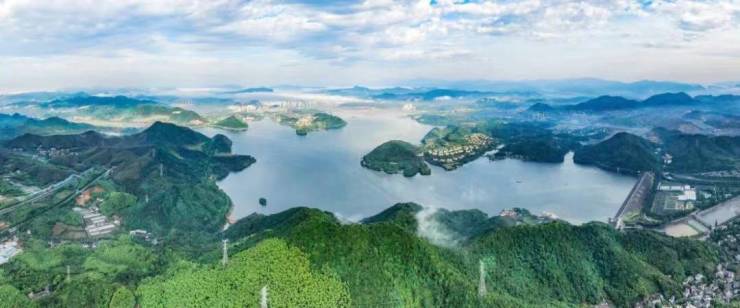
x=453, y=146
x=305, y=123
x=396, y=156
x=232, y=123
x=449, y=148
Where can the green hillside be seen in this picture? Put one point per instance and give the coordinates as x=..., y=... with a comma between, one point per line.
x=396, y=156
x=14, y=125
x=304, y=123
x=622, y=152
x=284, y=271
x=125, y=109
x=232, y=123
x=171, y=169
x=384, y=262
x=700, y=153
x=539, y=149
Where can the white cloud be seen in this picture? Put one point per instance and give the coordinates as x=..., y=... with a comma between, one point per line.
x=700, y=16
x=486, y=37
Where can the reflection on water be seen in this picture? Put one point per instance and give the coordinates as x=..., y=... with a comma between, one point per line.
x=323, y=170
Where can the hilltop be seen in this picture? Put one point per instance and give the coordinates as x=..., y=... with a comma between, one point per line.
x=232, y=123
x=121, y=110
x=622, y=152
x=16, y=124
x=83, y=100
x=252, y=90
x=526, y=263
x=616, y=103
x=693, y=153
x=170, y=168
x=305, y=123
x=396, y=156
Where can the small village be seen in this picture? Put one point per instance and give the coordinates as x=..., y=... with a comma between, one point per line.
x=49, y=153
x=9, y=249
x=451, y=156
x=96, y=224
x=718, y=289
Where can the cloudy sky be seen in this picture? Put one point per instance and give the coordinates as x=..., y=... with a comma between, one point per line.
x=189, y=43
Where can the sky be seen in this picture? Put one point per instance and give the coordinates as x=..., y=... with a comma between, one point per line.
x=58, y=44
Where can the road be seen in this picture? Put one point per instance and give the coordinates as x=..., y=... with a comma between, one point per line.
x=44, y=192
x=106, y=173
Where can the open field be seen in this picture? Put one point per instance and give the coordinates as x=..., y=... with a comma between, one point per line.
x=701, y=222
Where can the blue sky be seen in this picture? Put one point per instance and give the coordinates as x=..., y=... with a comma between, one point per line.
x=125, y=43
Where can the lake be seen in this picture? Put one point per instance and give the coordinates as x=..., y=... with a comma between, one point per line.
x=322, y=170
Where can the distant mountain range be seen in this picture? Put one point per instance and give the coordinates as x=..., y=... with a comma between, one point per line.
x=16, y=124
x=613, y=103
x=89, y=100
x=408, y=94
x=434, y=89
x=566, y=87
x=251, y=90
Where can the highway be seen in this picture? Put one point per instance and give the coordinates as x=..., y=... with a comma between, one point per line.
x=44, y=192
x=4, y=233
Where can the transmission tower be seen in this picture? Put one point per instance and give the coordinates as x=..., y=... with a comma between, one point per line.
x=263, y=297
x=225, y=257
x=482, y=284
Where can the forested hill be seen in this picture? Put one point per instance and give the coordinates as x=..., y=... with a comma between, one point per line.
x=384, y=260
x=700, y=153
x=14, y=125
x=91, y=100
x=615, y=103
x=622, y=152
x=171, y=169
x=689, y=153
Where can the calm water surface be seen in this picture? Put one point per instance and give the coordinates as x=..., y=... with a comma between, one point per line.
x=322, y=170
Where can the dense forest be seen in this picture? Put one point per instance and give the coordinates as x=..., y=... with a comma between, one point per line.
x=396, y=156
x=385, y=262
x=171, y=169
x=163, y=181
x=622, y=152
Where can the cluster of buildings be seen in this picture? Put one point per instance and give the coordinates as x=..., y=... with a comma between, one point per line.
x=681, y=197
x=304, y=121
x=701, y=292
x=250, y=106
x=509, y=213
x=143, y=235
x=688, y=193
x=450, y=156
x=667, y=159
x=9, y=249
x=517, y=214
x=96, y=224
x=50, y=152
